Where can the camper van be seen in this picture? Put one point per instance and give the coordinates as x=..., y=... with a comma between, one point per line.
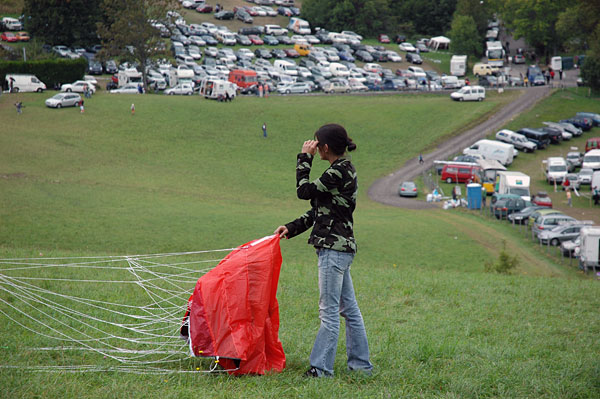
x=509, y=182
x=129, y=75
x=243, y=78
x=12, y=23
x=489, y=174
x=22, y=83
x=556, y=63
x=556, y=169
x=458, y=65
x=589, y=252
x=217, y=89
x=299, y=26
x=489, y=149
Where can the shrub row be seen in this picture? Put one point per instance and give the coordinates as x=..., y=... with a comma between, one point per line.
x=52, y=72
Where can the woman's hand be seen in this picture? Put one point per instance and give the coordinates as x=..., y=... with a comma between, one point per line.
x=282, y=231
x=310, y=147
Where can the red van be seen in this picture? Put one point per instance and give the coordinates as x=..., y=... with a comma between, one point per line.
x=592, y=143
x=457, y=173
x=243, y=78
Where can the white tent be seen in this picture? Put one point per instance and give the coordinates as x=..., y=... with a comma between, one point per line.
x=439, y=42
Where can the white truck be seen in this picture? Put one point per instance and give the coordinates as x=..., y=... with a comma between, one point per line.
x=556, y=169
x=458, y=65
x=589, y=251
x=490, y=149
x=11, y=23
x=510, y=182
x=217, y=89
x=300, y=26
x=22, y=83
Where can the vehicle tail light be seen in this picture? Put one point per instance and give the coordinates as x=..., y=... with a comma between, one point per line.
x=402, y=189
x=505, y=209
x=414, y=189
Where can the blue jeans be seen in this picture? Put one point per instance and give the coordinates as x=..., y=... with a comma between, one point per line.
x=337, y=297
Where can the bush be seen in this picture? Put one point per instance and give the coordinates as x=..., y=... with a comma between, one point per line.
x=51, y=71
x=590, y=71
x=505, y=263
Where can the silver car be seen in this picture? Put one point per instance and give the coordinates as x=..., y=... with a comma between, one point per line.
x=585, y=176
x=63, y=100
x=560, y=233
x=299, y=87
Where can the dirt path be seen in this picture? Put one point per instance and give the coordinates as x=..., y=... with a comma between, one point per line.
x=385, y=189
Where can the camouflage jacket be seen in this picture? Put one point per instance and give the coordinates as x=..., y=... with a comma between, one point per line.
x=333, y=199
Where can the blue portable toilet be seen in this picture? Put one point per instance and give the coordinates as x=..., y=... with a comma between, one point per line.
x=474, y=196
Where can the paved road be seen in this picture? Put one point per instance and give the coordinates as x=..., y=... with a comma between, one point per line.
x=385, y=190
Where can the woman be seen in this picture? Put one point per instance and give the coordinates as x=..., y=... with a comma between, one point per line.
x=333, y=199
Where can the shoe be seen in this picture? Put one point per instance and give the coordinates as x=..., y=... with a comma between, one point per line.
x=312, y=372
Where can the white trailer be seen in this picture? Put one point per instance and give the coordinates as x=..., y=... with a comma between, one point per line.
x=458, y=65
x=589, y=252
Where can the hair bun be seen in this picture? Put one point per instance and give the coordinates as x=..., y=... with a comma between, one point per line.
x=351, y=145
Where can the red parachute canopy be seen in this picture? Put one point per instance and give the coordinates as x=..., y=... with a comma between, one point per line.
x=233, y=312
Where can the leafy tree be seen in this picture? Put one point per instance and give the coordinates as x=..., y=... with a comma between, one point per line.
x=590, y=71
x=464, y=36
x=71, y=22
x=535, y=21
x=430, y=17
x=126, y=31
x=476, y=9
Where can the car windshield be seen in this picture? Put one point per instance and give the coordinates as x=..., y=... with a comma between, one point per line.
x=592, y=158
x=586, y=171
x=559, y=168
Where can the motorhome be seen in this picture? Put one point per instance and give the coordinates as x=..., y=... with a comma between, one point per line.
x=458, y=65
x=22, y=83
x=129, y=75
x=556, y=63
x=489, y=173
x=509, y=182
x=495, y=53
x=490, y=149
x=217, y=89
x=591, y=160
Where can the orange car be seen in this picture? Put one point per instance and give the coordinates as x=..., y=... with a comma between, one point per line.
x=23, y=36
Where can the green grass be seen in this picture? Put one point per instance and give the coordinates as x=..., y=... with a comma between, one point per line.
x=192, y=174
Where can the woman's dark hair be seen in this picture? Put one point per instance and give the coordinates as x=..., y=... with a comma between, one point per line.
x=335, y=137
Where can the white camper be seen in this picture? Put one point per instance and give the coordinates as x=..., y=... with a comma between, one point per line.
x=589, y=253
x=217, y=89
x=556, y=64
x=23, y=83
x=299, y=26
x=490, y=149
x=286, y=67
x=458, y=65
x=129, y=75
x=509, y=182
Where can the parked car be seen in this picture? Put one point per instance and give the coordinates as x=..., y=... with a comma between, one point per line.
x=204, y=9
x=522, y=216
x=383, y=38
x=539, y=212
x=422, y=47
x=593, y=116
x=270, y=40
x=23, y=36
x=337, y=87
x=469, y=93
x=263, y=53
x=519, y=59
x=585, y=176
x=504, y=207
x=255, y=39
x=414, y=58
x=408, y=189
x=406, y=46
x=78, y=86
x=63, y=100
x=130, y=88
x=224, y=15
x=298, y=87
x=181, y=89
x=9, y=37
x=548, y=222
x=560, y=233
x=581, y=122
x=542, y=199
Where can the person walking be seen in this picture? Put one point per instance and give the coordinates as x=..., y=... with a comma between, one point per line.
x=132, y=109
x=81, y=108
x=260, y=90
x=333, y=200
x=526, y=81
x=569, y=199
x=19, y=106
x=560, y=72
x=264, y=129
x=421, y=161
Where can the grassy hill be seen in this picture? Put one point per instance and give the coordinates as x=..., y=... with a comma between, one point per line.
x=191, y=174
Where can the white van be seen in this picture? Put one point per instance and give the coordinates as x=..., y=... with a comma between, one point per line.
x=451, y=82
x=469, y=93
x=481, y=69
x=339, y=70
x=518, y=140
x=489, y=149
x=24, y=83
x=286, y=67
x=591, y=160
x=12, y=23
x=556, y=169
